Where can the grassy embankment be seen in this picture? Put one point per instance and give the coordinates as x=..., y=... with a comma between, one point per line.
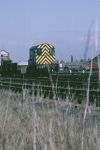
x=39, y=124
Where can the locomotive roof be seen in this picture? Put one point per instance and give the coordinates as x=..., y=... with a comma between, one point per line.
x=43, y=44
x=46, y=44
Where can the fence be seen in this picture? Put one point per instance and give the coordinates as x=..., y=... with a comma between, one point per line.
x=58, y=89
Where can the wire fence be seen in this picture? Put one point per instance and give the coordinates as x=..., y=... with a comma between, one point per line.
x=42, y=87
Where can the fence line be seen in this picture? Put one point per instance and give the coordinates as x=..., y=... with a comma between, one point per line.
x=14, y=84
x=59, y=80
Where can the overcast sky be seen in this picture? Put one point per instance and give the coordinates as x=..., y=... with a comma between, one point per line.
x=62, y=23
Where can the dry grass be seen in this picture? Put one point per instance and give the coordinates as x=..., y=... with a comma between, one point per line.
x=45, y=125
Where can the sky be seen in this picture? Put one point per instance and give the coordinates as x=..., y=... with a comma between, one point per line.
x=62, y=23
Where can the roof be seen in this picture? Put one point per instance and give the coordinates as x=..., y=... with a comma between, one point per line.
x=22, y=63
x=93, y=66
x=42, y=45
x=45, y=44
x=95, y=59
x=3, y=52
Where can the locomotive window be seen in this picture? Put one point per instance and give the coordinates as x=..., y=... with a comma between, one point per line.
x=39, y=51
x=35, y=52
x=51, y=51
x=32, y=52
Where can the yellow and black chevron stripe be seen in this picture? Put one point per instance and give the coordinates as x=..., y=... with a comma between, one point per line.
x=45, y=58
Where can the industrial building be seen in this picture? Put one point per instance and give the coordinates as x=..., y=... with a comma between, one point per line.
x=22, y=66
x=4, y=56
